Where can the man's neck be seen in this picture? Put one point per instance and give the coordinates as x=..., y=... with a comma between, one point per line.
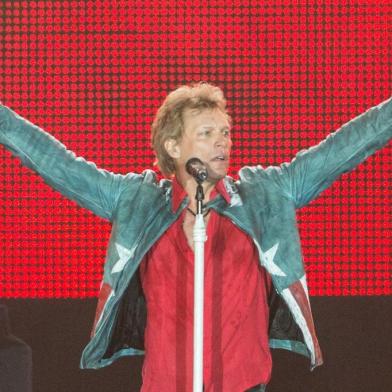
x=189, y=184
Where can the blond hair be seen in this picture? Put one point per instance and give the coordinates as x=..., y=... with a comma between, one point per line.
x=169, y=124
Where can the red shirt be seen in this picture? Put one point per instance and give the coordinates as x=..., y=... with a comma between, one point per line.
x=236, y=351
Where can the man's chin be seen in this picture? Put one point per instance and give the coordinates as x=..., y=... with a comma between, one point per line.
x=215, y=174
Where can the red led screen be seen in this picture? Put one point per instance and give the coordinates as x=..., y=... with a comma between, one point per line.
x=93, y=74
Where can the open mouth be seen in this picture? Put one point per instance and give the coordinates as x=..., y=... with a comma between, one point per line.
x=220, y=158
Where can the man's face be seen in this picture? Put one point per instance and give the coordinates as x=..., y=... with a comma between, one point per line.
x=207, y=137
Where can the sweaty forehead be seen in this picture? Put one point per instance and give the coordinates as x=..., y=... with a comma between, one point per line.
x=209, y=116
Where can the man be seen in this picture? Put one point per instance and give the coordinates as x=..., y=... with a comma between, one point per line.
x=255, y=285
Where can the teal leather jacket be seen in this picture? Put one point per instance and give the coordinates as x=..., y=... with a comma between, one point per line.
x=263, y=204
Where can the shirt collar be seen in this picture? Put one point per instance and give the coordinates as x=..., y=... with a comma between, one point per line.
x=178, y=193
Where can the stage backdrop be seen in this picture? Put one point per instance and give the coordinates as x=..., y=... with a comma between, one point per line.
x=93, y=74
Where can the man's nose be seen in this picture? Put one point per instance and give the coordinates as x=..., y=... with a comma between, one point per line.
x=221, y=140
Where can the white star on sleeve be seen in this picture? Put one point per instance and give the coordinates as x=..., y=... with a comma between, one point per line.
x=267, y=259
x=125, y=254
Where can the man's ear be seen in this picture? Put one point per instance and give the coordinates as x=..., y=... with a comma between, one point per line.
x=172, y=148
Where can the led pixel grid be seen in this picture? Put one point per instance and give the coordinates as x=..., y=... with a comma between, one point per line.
x=93, y=74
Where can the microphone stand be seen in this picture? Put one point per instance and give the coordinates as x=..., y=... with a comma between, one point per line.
x=199, y=237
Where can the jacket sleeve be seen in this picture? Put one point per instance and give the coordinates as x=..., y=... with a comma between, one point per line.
x=313, y=170
x=95, y=189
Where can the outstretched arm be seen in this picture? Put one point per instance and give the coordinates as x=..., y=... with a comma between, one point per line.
x=95, y=189
x=314, y=169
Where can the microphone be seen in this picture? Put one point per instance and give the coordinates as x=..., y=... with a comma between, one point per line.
x=196, y=168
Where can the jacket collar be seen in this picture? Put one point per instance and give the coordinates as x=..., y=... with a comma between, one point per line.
x=179, y=194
